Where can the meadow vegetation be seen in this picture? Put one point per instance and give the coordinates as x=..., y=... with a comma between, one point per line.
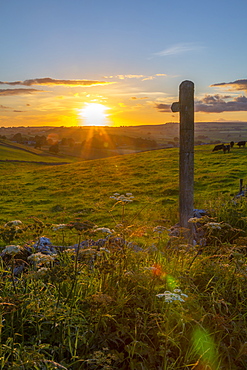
x=119, y=287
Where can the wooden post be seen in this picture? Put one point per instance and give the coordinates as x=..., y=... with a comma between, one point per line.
x=186, y=153
x=241, y=185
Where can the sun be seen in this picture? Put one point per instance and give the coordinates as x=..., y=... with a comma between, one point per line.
x=94, y=114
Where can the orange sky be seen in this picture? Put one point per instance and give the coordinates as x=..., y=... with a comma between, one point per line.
x=113, y=101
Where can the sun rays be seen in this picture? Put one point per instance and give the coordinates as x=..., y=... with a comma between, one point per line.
x=94, y=114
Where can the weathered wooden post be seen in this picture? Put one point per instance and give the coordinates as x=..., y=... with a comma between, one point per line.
x=241, y=186
x=186, y=153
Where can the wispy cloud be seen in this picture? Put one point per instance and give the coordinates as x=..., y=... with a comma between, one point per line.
x=179, y=49
x=53, y=82
x=142, y=77
x=3, y=107
x=8, y=92
x=235, y=85
x=163, y=107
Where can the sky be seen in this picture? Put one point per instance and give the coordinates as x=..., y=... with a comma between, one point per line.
x=115, y=62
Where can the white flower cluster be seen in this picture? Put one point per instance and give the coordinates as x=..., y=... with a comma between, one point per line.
x=213, y=225
x=159, y=229
x=13, y=223
x=12, y=249
x=56, y=227
x=193, y=220
x=41, y=259
x=176, y=295
x=104, y=230
x=103, y=249
x=42, y=272
x=127, y=198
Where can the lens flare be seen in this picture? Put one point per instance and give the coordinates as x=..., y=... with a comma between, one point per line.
x=204, y=347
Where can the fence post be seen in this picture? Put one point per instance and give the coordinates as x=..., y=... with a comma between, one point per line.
x=241, y=185
x=186, y=153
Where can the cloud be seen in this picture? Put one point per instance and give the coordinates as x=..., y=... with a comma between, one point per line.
x=18, y=111
x=179, y=49
x=122, y=77
x=235, y=85
x=141, y=98
x=8, y=92
x=54, y=82
x=163, y=107
x=221, y=103
x=3, y=107
x=142, y=77
x=213, y=104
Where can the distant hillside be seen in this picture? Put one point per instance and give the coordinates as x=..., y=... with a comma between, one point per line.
x=10, y=151
x=99, y=142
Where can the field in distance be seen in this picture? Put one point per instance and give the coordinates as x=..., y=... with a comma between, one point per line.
x=99, y=142
x=15, y=152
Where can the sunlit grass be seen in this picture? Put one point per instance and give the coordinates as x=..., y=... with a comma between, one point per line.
x=133, y=296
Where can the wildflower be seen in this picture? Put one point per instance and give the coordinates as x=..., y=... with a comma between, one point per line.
x=129, y=273
x=176, y=295
x=156, y=269
x=159, y=229
x=13, y=223
x=59, y=227
x=69, y=250
x=41, y=272
x=104, y=230
x=193, y=220
x=41, y=259
x=44, y=240
x=213, y=225
x=123, y=198
x=102, y=249
x=12, y=249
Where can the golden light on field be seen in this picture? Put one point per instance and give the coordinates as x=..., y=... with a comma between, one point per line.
x=94, y=114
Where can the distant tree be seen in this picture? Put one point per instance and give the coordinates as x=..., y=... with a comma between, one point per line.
x=71, y=142
x=64, y=141
x=54, y=149
x=17, y=137
x=39, y=141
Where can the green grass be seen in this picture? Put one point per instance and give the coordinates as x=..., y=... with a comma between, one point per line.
x=84, y=188
x=106, y=307
x=17, y=152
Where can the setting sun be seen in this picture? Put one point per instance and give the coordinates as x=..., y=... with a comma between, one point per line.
x=94, y=114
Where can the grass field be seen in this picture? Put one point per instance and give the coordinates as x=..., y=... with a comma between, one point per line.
x=10, y=151
x=84, y=188
x=135, y=295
